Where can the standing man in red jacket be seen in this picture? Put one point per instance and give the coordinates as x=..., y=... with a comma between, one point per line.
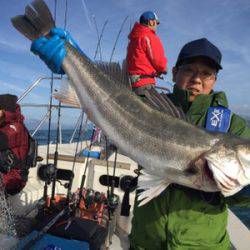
x=145, y=55
x=14, y=140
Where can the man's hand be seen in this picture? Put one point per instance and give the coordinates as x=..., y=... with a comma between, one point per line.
x=53, y=50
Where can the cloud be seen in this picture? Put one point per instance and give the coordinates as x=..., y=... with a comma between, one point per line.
x=15, y=89
x=11, y=87
x=14, y=46
x=18, y=71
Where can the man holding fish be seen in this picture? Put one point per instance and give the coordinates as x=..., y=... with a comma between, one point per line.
x=181, y=217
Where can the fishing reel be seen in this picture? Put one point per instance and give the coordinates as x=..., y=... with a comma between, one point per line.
x=127, y=184
x=48, y=173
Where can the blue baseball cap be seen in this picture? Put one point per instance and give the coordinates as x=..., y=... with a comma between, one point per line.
x=148, y=15
x=200, y=48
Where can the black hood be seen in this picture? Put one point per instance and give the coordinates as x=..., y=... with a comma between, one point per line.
x=8, y=102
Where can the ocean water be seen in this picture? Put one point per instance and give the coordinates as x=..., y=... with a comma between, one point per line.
x=41, y=137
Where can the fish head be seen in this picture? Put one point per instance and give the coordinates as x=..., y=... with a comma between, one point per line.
x=229, y=163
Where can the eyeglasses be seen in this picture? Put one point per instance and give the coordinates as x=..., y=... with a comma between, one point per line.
x=204, y=75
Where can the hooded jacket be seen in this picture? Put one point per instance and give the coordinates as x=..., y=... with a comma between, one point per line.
x=13, y=136
x=145, y=55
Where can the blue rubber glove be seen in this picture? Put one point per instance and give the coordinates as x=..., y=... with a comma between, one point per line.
x=52, y=51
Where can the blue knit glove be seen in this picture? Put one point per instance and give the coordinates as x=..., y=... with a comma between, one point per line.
x=52, y=51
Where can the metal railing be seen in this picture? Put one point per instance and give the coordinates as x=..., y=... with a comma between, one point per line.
x=46, y=116
x=33, y=85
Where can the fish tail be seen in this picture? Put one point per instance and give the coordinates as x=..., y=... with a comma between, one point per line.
x=152, y=186
x=37, y=20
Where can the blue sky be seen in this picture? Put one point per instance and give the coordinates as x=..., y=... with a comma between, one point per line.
x=225, y=23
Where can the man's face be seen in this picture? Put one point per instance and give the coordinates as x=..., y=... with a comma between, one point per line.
x=152, y=24
x=198, y=77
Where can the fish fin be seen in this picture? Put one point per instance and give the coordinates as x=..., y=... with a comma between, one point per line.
x=66, y=94
x=23, y=25
x=152, y=186
x=163, y=103
x=36, y=22
x=115, y=71
x=43, y=11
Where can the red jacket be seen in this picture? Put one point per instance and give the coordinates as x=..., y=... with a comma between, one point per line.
x=14, y=136
x=145, y=54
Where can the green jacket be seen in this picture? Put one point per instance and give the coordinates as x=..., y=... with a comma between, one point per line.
x=197, y=111
x=184, y=218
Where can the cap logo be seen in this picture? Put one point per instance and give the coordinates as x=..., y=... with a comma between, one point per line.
x=156, y=18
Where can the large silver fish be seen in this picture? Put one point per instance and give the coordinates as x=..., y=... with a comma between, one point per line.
x=169, y=149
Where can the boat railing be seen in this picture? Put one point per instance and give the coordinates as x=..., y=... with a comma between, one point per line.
x=45, y=117
x=35, y=84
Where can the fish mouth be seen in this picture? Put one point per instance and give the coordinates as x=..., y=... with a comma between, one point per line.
x=208, y=173
x=202, y=164
x=227, y=185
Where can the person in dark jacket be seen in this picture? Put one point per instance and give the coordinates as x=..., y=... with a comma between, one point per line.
x=183, y=218
x=13, y=145
x=145, y=53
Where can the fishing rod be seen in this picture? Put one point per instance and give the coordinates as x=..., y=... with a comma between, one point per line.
x=86, y=166
x=44, y=230
x=56, y=153
x=77, y=144
x=58, y=120
x=99, y=39
x=66, y=14
x=113, y=199
x=114, y=168
x=47, y=182
x=45, y=190
x=78, y=137
x=113, y=50
x=112, y=196
x=107, y=165
x=79, y=120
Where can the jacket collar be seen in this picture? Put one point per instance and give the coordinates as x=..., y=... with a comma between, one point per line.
x=140, y=30
x=200, y=104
